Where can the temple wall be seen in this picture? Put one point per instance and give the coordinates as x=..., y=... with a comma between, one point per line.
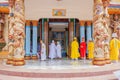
x=81, y=9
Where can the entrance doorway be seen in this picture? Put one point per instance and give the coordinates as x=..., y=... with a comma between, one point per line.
x=62, y=30
x=58, y=32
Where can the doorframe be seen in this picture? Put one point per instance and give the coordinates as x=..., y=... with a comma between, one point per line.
x=68, y=20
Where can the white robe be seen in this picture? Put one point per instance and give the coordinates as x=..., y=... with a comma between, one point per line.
x=43, y=51
x=58, y=50
x=52, y=51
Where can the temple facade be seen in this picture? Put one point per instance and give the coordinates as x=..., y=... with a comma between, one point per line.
x=59, y=21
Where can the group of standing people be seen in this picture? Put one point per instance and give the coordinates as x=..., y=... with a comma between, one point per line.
x=54, y=50
x=80, y=51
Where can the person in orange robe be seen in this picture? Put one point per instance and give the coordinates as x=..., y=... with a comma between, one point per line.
x=83, y=49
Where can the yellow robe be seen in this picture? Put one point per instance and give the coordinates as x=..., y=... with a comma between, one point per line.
x=114, y=49
x=75, y=50
x=90, y=50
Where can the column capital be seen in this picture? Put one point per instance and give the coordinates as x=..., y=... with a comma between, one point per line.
x=89, y=23
x=34, y=22
x=27, y=22
x=82, y=23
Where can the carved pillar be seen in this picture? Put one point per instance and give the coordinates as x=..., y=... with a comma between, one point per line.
x=16, y=32
x=101, y=34
x=82, y=30
x=34, y=39
x=27, y=41
x=10, y=45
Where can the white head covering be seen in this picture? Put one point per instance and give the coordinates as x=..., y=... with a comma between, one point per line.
x=58, y=42
x=53, y=41
x=114, y=35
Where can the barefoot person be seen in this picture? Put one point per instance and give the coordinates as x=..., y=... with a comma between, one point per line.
x=114, y=48
x=75, y=49
x=52, y=51
x=90, y=49
x=83, y=49
x=43, y=51
x=58, y=50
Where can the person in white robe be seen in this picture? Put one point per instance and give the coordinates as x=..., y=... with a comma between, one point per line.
x=58, y=50
x=52, y=50
x=43, y=51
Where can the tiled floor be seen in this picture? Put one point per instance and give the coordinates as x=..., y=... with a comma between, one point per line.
x=64, y=69
x=58, y=64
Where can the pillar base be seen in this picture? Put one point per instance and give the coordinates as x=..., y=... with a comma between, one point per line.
x=99, y=61
x=108, y=61
x=34, y=57
x=27, y=57
x=9, y=61
x=18, y=62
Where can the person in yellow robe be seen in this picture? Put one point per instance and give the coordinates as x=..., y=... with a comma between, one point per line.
x=114, y=48
x=75, y=49
x=90, y=49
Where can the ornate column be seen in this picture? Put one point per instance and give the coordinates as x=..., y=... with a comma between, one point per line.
x=34, y=39
x=10, y=45
x=19, y=33
x=82, y=30
x=16, y=33
x=27, y=41
x=101, y=33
